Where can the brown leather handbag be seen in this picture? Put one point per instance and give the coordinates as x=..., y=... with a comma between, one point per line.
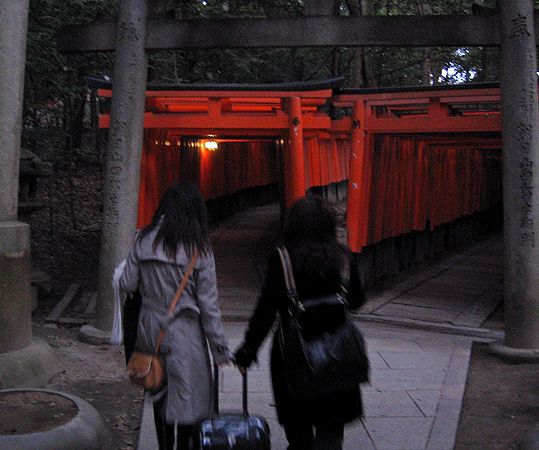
x=147, y=369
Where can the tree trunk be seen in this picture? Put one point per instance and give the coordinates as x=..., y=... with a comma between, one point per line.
x=362, y=73
x=426, y=71
x=76, y=126
x=424, y=9
x=336, y=54
x=488, y=70
x=291, y=67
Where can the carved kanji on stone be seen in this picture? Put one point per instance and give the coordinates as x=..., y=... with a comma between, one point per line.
x=520, y=27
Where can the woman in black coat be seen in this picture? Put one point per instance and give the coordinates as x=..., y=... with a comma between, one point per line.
x=317, y=261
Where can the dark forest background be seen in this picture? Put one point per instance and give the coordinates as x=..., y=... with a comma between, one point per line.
x=59, y=110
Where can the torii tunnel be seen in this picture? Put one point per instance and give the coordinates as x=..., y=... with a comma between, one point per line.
x=408, y=159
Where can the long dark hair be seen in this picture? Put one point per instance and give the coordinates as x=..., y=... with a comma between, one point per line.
x=310, y=235
x=183, y=220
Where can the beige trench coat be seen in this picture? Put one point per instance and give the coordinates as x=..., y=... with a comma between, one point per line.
x=194, y=333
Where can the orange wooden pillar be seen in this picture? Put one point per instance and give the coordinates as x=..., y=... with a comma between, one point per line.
x=357, y=209
x=294, y=155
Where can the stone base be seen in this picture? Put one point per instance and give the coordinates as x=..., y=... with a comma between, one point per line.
x=31, y=366
x=515, y=355
x=85, y=431
x=15, y=295
x=92, y=335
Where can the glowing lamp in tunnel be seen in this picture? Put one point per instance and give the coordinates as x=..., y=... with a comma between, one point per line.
x=211, y=145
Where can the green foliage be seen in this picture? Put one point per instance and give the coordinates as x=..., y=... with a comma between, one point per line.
x=226, y=66
x=49, y=74
x=386, y=66
x=406, y=66
x=55, y=90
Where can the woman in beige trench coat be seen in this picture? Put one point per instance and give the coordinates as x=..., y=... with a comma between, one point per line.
x=155, y=266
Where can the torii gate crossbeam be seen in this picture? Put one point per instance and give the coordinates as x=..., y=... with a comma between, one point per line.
x=369, y=31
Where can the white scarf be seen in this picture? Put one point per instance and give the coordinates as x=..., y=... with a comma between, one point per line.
x=117, y=334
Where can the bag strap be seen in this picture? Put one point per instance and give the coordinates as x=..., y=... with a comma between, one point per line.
x=176, y=298
x=291, y=283
x=345, y=277
x=288, y=274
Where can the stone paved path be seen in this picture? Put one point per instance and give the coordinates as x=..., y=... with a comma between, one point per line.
x=419, y=333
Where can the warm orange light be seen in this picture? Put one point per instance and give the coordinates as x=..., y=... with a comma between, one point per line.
x=211, y=145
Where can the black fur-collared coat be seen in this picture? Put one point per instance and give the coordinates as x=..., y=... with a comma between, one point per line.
x=272, y=303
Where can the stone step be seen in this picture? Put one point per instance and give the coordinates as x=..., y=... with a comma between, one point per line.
x=61, y=306
x=74, y=309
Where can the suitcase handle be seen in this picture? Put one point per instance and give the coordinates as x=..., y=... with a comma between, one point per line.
x=216, y=391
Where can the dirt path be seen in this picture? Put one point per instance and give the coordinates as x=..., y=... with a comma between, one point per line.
x=97, y=375
x=501, y=400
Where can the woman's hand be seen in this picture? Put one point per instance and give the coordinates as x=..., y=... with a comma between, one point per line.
x=224, y=362
x=243, y=358
x=226, y=358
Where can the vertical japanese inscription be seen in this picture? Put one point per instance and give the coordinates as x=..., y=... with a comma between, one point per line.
x=525, y=168
x=523, y=136
x=519, y=27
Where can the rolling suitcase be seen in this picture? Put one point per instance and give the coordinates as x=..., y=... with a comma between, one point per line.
x=231, y=430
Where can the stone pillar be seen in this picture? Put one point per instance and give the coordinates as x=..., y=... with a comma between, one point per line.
x=520, y=179
x=22, y=361
x=122, y=170
x=294, y=155
x=13, y=23
x=15, y=311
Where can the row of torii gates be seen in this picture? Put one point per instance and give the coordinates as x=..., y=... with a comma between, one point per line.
x=137, y=31
x=409, y=157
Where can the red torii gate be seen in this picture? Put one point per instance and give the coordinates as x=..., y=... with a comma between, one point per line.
x=287, y=112
x=420, y=111
x=465, y=118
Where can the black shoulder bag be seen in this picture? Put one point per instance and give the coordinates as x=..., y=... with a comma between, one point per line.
x=323, y=363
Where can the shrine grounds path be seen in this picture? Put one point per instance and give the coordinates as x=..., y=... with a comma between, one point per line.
x=434, y=384
x=421, y=330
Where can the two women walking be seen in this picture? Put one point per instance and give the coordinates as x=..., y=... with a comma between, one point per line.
x=155, y=265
